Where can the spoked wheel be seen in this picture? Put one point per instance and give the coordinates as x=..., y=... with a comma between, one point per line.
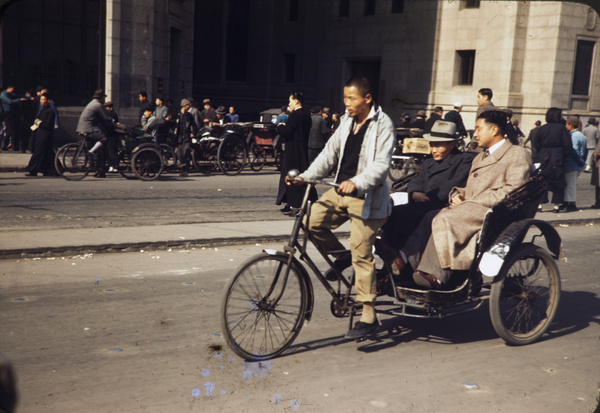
x=258, y=324
x=258, y=157
x=396, y=165
x=204, y=157
x=523, y=303
x=72, y=162
x=147, y=164
x=231, y=156
x=168, y=156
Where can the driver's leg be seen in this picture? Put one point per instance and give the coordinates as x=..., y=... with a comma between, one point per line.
x=327, y=214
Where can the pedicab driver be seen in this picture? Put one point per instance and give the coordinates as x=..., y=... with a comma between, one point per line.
x=359, y=152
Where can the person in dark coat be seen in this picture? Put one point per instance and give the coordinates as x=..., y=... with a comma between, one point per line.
x=145, y=105
x=553, y=141
x=295, y=134
x=433, y=117
x=455, y=117
x=447, y=168
x=186, y=128
x=43, y=150
x=319, y=133
x=419, y=122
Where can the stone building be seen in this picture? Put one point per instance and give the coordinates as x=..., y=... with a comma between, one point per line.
x=252, y=54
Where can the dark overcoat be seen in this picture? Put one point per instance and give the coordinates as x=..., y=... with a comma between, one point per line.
x=295, y=134
x=436, y=179
x=552, y=140
x=42, y=157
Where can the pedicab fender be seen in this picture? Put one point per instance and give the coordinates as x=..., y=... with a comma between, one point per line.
x=493, y=258
x=304, y=274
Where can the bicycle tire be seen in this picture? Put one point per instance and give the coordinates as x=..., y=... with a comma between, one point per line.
x=525, y=300
x=254, y=327
x=72, y=162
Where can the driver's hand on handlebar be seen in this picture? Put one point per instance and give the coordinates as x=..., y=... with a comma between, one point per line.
x=347, y=188
x=290, y=181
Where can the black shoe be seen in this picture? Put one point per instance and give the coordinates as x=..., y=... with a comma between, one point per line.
x=340, y=265
x=361, y=330
x=100, y=174
x=286, y=209
x=559, y=208
x=571, y=207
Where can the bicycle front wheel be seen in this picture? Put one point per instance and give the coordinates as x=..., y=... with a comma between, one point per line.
x=262, y=310
x=71, y=162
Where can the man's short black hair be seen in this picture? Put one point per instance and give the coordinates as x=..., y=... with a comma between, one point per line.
x=299, y=96
x=361, y=84
x=554, y=115
x=486, y=92
x=143, y=94
x=495, y=117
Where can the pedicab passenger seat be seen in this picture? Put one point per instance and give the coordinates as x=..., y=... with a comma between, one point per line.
x=519, y=204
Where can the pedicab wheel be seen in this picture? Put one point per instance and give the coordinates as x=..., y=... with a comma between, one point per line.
x=204, y=160
x=72, y=162
x=396, y=171
x=147, y=164
x=231, y=156
x=258, y=325
x=168, y=155
x=523, y=303
x=258, y=157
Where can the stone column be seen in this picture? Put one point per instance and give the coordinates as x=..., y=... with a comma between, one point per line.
x=113, y=53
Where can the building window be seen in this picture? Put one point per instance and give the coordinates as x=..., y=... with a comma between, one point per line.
x=369, y=7
x=466, y=66
x=471, y=4
x=344, y=8
x=289, y=68
x=583, y=67
x=397, y=6
x=293, y=10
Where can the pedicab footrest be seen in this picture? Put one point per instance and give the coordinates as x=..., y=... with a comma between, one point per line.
x=433, y=296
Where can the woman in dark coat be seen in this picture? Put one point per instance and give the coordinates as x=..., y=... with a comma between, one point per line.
x=295, y=134
x=553, y=141
x=43, y=150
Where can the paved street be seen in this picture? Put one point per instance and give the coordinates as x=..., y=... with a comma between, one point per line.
x=139, y=332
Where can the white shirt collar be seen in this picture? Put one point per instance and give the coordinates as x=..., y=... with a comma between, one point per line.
x=496, y=146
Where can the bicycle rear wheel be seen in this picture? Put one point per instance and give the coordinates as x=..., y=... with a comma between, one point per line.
x=258, y=325
x=72, y=162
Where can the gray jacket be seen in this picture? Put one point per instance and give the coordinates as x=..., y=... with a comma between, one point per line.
x=373, y=164
x=94, y=118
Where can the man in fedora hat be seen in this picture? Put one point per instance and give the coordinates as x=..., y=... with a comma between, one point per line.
x=428, y=191
x=221, y=119
x=446, y=240
x=96, y=122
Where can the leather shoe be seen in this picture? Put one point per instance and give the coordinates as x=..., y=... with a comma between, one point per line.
x=286, y=209
x=100, y=174
x=361, y=330
x=427, y=281
x=392, y=256
x=340, y=265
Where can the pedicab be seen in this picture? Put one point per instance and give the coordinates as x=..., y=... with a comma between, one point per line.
x=269, y=297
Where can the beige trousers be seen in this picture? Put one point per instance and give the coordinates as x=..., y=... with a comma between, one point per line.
x=331, y=211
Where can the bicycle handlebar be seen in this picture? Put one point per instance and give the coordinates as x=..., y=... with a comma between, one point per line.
x=294, y=175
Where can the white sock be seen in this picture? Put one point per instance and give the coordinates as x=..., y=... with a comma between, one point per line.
x=97, y=146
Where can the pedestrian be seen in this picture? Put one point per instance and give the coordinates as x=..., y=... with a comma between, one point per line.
x=319, y=133
x=208, y=115
x=511, y=134
x=359, y=152
x=573, y=165
x=161, y=110
x=195, y=112
x=553, y=141
x=419, y=122
x=592, y=135
x=484, y=100
x=596, y=175
x=43, y=150
x=184, y=132
x=335, y=121
x=529, y=141
x=232, y=115
x=435, y=115
x=326, y=114
x=10, y=101
x=455, y=117
x=518, y=132
x=283, y=116
x=405, y=121
x=222, y=119
x=145, y=105
x=295, y=133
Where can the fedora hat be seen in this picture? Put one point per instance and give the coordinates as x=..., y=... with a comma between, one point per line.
x=221, y=110
x=442, y=131
x=99, y=94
